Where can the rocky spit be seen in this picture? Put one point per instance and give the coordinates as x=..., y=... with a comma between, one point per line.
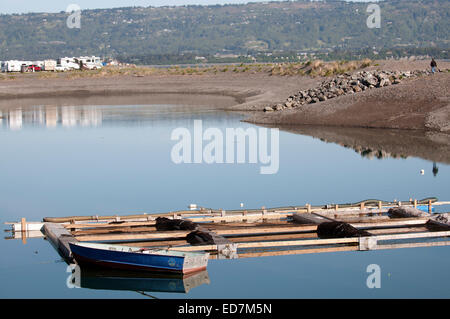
x=346, y=84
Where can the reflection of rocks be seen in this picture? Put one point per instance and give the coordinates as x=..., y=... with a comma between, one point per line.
x=383, y=143
x=369, y=153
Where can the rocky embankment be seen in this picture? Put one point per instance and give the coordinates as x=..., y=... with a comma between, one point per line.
x=369, y=99
x=346, y=84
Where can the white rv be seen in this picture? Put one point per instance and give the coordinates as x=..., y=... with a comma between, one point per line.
x=91, y=62
x=16, y=66
x=66, y=64
x=13, y=66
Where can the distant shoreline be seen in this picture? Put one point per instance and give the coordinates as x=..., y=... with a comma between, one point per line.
x=418, y=104
x=244, y=91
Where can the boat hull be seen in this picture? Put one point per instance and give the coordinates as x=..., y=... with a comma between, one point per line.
x=132, y=260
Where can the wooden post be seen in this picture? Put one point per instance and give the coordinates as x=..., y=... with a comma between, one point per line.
x=308, y=208
x=23, y=225
x=24, y=230
x=429, y=206
x=415, y=203
x=336, y=207
x=361, y=206
x=379, y=205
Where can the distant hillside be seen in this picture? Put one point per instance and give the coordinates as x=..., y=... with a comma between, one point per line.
x=254, y=27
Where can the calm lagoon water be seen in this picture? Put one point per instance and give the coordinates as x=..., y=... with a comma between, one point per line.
x=116, y=160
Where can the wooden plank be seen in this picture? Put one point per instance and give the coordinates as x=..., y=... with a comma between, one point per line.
x=69, y=219
x=391, y=223
x=273, y=223
x=300, y=242
x=413, y=245
x=124, y=237
x=385, y=231
x=364, y=219
x=60, y=238
x=231, y=239
x=194, y=219
x=297, y=252
x=263, y=230
x=108, y=225
x=159, y=243
x=271, y=237
x=114, y=230
x=195, y=248
x=331, y=213
x=414, y=235
x=240, y=217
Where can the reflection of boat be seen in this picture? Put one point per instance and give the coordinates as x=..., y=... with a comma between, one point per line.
x=111, y=279
x=135, y=258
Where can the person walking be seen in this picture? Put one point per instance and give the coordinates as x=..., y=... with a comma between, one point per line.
x=433, y=65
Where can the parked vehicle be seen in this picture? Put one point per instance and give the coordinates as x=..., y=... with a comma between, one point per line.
x=91, y=63
x=34, y=68
x=13, y=66
x=49, y=65
x=68, y=64
x=60, y=68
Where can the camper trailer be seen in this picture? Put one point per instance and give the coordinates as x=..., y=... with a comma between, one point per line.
x=91, y=62
x=13, y=66
x=49, y=65
x=18, y=66
x=66, y=64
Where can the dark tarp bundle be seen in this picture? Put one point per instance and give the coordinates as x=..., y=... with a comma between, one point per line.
x=199, y=238
x=439, y=222
x=163, y=223
x=405, y=212
x=339, y=230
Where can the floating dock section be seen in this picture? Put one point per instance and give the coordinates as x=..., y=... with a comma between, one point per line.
x=367, y=225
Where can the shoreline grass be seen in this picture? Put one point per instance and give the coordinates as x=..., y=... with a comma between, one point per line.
x=311, y=68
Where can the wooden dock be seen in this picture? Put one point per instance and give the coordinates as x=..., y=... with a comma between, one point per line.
x=257, y=232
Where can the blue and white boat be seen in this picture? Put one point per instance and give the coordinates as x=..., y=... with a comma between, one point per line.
x=135, y=258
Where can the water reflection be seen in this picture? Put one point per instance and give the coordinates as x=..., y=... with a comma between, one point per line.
x=435, y=169
x=108, y=279
x=383, y=143
x=95, y=116
x=51, y=116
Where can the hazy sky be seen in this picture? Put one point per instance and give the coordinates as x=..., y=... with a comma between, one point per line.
x=24, y=6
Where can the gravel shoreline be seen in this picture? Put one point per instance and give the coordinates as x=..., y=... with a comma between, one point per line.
x=420, y=103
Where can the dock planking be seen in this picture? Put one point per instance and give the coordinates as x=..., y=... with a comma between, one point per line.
x=256, y=232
